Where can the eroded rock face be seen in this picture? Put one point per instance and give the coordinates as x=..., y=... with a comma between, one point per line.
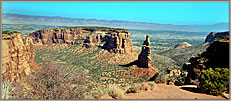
x=16, y=57
x=114, y=40
x=213, y=35
x=216, y=55
x=144, y=59
x=47, y=36
x=118, y=42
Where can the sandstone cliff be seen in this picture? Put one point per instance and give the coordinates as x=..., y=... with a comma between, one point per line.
x=216, y=55
x=16, y=56
x=144, y=59
x=212, y=36
x=112, y=39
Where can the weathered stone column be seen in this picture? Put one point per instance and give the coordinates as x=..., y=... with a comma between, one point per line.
x=144, y=59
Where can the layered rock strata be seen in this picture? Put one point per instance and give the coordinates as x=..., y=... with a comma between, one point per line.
x=114, y=40
x=144, y=59
x=16, y=56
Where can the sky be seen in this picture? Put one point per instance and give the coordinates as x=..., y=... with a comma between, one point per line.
x=177, y=13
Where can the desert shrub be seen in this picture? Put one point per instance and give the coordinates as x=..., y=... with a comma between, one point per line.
x=151, y=84
x=214, y=81
x=96, y=94
x=52, y=81
x=7, y=32
x=115, y=92
x=223, y=38
x=180, y=79
x=160, y=78
x=134, y=88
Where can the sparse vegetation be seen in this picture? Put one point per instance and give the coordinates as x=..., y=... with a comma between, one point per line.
x=115, y=92
x=51, y=82
x=7, y=32
x=223, y=38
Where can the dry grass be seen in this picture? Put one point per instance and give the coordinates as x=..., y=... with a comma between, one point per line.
x=51, y=82
x=96, y=94
x=151, y=84
x=136, y=88
x=115, y=92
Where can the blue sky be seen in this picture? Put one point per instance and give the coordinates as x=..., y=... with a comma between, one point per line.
x=177, y=13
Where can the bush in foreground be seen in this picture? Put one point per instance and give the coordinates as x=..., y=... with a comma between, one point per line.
x=115, y=92
x=52, y=81
x=214, y=81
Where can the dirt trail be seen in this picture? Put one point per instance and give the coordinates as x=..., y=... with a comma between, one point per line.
x=162, y=91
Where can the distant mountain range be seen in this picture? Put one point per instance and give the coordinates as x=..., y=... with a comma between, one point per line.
x=8, y=18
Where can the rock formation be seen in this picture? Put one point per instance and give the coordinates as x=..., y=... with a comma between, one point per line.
x=213, y=35
x=112, y=39
x=118, y=42
x=182, y=45
x=144, y=59
x=47, y=36
x=16, y=56
x=216, y=55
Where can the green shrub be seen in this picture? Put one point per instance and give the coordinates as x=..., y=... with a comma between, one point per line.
x=214, y=81
x=7, y=32
x=223, y=37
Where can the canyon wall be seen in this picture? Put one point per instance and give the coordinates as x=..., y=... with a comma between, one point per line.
x=215, y=56
x=16, y=56
x=113, y=39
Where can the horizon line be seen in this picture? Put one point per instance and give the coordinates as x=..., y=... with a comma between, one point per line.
x=110, y=20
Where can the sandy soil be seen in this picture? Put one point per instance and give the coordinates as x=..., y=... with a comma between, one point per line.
x=162, y=91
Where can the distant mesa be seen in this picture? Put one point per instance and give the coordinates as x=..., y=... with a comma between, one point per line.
x=113, y=39
x=182, y=45
x=213, y=36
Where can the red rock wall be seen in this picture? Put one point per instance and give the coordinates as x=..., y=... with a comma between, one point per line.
x=144, y=59
x=117, y=41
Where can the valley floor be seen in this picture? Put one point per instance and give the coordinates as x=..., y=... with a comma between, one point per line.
x=162, y=91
